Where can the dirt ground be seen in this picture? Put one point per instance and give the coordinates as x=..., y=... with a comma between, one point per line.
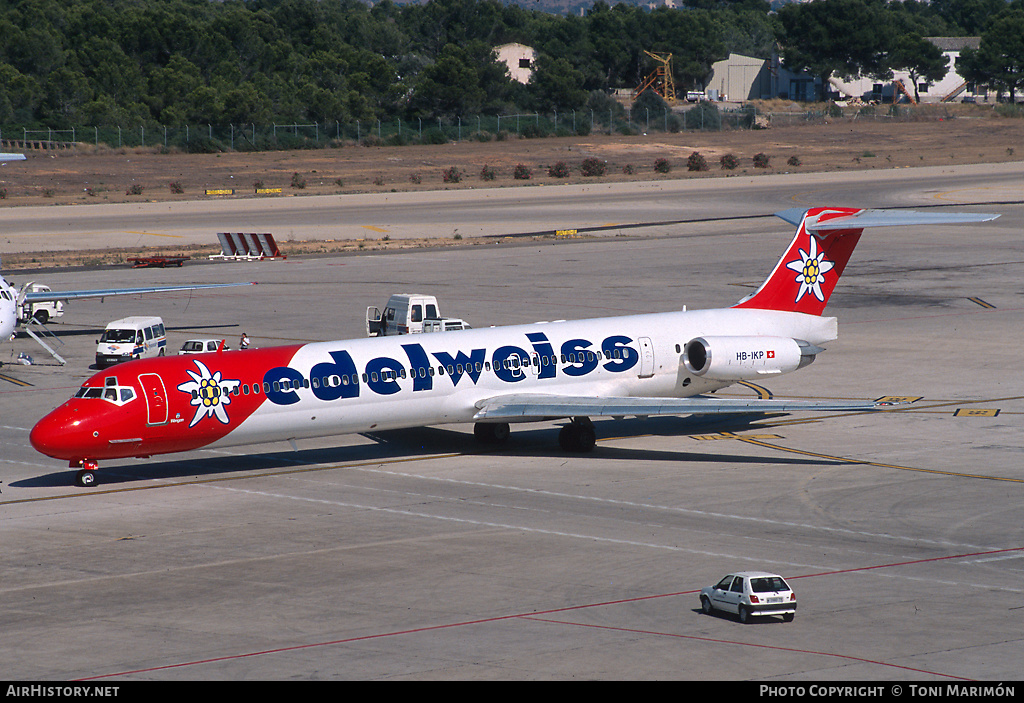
x=87, y=175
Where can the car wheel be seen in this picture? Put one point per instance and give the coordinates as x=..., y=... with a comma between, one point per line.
x=787, y=617
x=744, y=614
x=705, y=605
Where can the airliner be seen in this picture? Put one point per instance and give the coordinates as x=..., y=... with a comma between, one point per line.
x=11, y=300
x=636, y=365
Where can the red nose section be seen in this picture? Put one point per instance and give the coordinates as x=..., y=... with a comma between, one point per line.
x=63, y=434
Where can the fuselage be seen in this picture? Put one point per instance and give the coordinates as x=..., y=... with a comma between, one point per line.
x=179, y=403
x=8, y=309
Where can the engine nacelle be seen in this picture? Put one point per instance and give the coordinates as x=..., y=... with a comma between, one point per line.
x=742, y=358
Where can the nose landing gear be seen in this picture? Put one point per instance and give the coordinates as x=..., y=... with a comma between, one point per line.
x=86, y=476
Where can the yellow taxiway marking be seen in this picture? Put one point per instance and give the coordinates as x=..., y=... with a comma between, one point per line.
x=898, y=399
x=156, y=234
x=238, y=477
x=762, y=392
x=374, y=229
x=12, y=379
x=976, y=412
x=877, y=464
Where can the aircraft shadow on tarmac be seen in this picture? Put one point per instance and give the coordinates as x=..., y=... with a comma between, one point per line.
x=427, y=441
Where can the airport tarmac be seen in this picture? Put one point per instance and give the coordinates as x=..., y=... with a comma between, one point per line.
x=419, y=554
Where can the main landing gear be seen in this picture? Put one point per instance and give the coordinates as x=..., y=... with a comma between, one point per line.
x=578, y=436
x=86, y=476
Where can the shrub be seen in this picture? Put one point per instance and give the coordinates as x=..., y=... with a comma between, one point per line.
x=434, y=136
x=697, y=162
x=558, y=170
x=593, y=166
x=134, y=189
x=521, y=173
x=452, y=174
x=629, y=169
x=729, y=161
x=487, y=173
x=662, y=165
x=176, y=187
x=415, y=178
x=3, y=193
x=704, y=115
x=793, y=161
x=298, y=180
x=761, y=160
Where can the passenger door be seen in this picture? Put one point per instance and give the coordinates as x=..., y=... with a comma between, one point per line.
x=646, y=357
x=156, y=398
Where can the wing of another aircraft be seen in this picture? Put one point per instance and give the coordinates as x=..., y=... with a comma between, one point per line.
x=541, y=407
x=44, y=296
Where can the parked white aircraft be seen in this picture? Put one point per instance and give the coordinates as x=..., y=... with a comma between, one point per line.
x=637, y=365
x=11, y=300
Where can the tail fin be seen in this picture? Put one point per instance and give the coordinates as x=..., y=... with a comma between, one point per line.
x=825, y=238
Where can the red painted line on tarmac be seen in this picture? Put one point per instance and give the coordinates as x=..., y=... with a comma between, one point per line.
x=538, y=615
x=846, y=657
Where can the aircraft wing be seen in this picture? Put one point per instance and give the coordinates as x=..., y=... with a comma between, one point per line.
x=44, y=296
x=533, y=407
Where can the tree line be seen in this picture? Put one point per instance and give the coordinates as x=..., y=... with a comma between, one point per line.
x=174, y=62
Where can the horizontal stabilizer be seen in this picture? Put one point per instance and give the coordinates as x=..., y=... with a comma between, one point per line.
x=883, y=218
x=540, y=407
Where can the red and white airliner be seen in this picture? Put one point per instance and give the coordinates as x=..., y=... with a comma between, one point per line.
x=637, y=365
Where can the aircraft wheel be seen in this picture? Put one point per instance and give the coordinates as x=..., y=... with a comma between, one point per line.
x=578, y=437
x=86, y=478
x=491, y=432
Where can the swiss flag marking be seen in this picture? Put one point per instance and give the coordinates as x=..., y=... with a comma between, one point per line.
x=771, y=354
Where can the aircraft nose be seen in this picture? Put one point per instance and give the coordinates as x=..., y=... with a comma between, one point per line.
x=61, y=434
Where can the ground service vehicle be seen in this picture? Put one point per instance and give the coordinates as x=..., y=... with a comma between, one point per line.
x=42, y=311
x=131, y=338
x=200, y=346
x=404, y=314
x=445, y=324
x=749, y=594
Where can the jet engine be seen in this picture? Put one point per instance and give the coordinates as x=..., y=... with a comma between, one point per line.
x=740, y=358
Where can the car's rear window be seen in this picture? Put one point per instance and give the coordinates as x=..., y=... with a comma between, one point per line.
x=766, y=584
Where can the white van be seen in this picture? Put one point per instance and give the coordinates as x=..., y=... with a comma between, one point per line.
x=131, y=338
x=404, y=314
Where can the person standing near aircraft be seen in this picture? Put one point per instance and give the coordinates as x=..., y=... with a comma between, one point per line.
x=243, y=343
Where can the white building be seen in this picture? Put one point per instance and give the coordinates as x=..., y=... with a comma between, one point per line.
x=952, y=87
x=519, y=59
x=747, y=78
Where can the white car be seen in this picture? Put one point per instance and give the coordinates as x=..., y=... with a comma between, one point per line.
x=201, y=346
x=749, y=594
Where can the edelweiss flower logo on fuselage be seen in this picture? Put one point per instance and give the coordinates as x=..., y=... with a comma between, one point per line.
x=811, y=270
x=210, y=394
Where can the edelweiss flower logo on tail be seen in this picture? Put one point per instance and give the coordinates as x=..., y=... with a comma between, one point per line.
x=210, y=394
x=811, y=270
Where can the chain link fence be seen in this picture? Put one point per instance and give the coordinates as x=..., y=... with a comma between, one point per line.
x=200, y=138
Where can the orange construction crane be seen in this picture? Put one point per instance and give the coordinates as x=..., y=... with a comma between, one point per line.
x=660, y=80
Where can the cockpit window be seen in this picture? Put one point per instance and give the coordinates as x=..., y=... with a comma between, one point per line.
x=111, y=392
